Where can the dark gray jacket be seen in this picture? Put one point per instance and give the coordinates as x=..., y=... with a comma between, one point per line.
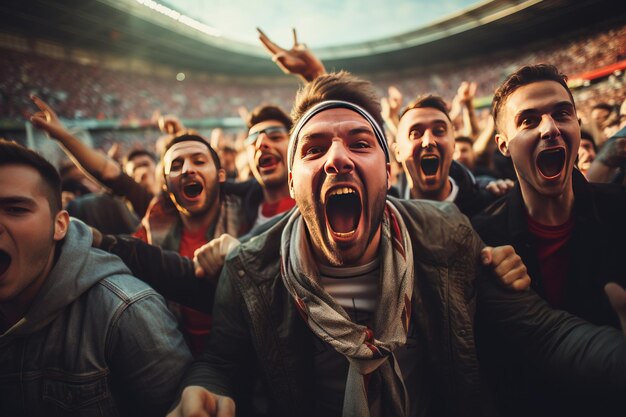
x=258, y=333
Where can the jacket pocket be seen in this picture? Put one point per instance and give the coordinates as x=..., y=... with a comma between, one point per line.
x=79, y=395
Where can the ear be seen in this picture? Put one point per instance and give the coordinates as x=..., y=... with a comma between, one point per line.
x=221, y=175
x=396, y=151
x=290, y=179
x=388, y=176
x=61, y=224
x=503, y=146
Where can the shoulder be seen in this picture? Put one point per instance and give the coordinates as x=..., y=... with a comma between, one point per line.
x=259, y=256
x=420, y=211
x=495, y=210
x=121, y=291
x=434, y=220
x=240, y=188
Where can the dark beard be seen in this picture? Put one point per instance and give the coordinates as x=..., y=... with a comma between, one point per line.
x=314, y=218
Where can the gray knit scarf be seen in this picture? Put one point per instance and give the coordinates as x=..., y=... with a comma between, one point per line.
x=369, y=351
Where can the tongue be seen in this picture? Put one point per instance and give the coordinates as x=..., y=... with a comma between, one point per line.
x=267, y=162
x=430, y=165
x=192, y=190
x=5, y=261
x=550, y=163
x=343, y=213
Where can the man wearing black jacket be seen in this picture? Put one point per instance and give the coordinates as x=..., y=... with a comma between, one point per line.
x=272, y=323
x=425, y=147
x=267, y=195
x=569, y=233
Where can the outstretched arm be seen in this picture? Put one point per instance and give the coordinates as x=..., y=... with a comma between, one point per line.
x=466, y=94
x=390, y=109
x=611, y=157
x=570, y=351
x=298, y=60
x=95, y=164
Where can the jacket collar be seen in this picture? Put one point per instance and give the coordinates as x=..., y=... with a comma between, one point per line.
x=584, y=205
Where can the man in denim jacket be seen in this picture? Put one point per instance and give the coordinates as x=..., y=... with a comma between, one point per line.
x=78, y=334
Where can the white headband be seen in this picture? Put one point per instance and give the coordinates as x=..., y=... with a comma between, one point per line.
x=333, y=104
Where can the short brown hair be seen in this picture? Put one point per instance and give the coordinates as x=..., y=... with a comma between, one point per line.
x=12, y=153
x=189, y=136
x=527, y=75
x=428, y=101
x=338, y=86
x=268, y=112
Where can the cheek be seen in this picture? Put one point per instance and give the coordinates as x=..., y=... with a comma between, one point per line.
x=405, y=149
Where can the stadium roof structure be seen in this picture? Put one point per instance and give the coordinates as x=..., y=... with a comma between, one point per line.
x=155, y=34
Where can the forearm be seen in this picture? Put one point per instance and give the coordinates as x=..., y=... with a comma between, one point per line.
x=96, y=164
x=125, y=186
x=148, y=355
x=481, y=144
x=600, y=173
x=169, y=273
x=470, y=121
x=567, y=349
x=226, y=367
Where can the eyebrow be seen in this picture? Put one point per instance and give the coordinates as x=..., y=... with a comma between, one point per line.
x=434, y=122
x=189, y=155
x=559, y=105
x=323, y=135
x=5, y=201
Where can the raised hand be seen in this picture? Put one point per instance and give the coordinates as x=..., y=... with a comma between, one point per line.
x=507, y=266
x=466, y=92
x=199, y=402
x=209, y=258
x=500, y=187
x=298, y=60
x=46, y=119
x=169, y=124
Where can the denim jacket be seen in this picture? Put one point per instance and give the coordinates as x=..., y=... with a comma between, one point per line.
x=95, y=342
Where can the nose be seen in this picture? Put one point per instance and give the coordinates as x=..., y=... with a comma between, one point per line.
x=188, y=167
x=261, y=142
x=548, y=128
x=338, y=159
x=427, y=139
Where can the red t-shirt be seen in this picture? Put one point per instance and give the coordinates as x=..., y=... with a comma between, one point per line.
x=551, y=245
x=197, y=325
x=281, y=206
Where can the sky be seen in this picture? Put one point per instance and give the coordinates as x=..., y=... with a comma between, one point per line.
x=319, y=23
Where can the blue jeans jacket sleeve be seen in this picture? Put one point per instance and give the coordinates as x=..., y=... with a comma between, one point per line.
x=150, y=354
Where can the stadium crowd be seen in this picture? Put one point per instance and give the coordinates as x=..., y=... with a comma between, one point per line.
x=88, y=91
x=381, y=250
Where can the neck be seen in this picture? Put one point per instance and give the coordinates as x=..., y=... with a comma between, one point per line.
x=369, y=255
x=275, y=194
x=438, y=195
x=204, y=220
x=548, y=210
x=12, y=311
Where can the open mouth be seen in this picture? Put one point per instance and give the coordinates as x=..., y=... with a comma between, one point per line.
x=192, y=189
x=429, y=164
x=5, y=261
x=267, y=161
x=551, y=162
x=343, y=211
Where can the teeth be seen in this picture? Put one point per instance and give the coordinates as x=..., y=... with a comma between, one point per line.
x=342, y=190
x=347, y=234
